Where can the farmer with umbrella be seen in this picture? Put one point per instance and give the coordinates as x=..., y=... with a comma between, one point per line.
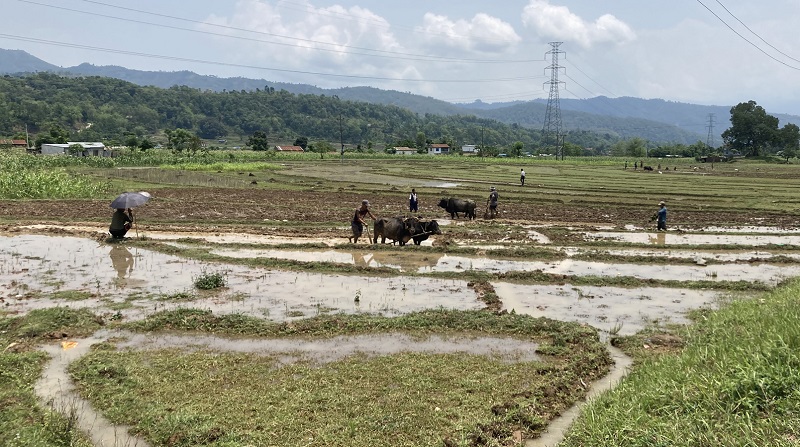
x=122, y=220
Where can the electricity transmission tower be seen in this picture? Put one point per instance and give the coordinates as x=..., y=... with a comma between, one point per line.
x=551, y=132
x=710, y=137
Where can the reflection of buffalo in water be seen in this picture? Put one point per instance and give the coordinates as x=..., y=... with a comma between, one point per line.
x=455, y=206
x=406, y=260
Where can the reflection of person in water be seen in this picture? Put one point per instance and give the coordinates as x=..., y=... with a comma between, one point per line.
x=122, y=260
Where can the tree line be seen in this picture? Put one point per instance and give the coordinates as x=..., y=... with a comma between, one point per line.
x=56, y=108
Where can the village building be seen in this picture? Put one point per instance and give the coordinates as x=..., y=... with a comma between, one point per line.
x=438, y=149
x=289, y=149
x=403, y=150
x=14, y=144
x=89, y=149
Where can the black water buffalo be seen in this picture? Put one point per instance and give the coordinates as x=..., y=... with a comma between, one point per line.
x=455, y=206
x=421, y=229
x=393, y=228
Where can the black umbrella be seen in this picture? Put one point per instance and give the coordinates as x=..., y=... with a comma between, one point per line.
x=130, y=200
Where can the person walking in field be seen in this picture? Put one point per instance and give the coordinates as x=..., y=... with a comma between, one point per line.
x=661, y=217
x=413, y=203
x=522, y=177
x=357, y=223
x=491, y=202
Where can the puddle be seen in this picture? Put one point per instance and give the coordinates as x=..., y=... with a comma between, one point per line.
x=34, y=265
x=337, y=348
x=693, y=239
x=605, y=308
x=719, y=256
x=56, y=390
x=747, y=229
x=407, y=260
x=441, y=185
x=411, y=261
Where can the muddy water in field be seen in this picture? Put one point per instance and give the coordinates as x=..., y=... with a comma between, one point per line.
x=604, y=307
x=410, y=261
x=33, y=268
x=290, y=350
x=694, y=239
x=56, y=390
x=708, y=255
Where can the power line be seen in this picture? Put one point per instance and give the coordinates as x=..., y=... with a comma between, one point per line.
x=390, y=54
x=255, y=67
x=572, y=63
x=754, y=33
x=746, y=40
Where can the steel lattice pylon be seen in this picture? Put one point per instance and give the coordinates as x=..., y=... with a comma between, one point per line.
x=551, y=132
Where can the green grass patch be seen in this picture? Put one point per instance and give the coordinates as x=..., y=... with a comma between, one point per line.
x=23, y=421
x=72, y=295
x=225, y=167
x=52, y=322
x=735, y=383
x=404, y=399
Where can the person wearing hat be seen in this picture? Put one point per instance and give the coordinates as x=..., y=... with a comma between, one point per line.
x=357, y=224
x=492, y=202
x=661, y=216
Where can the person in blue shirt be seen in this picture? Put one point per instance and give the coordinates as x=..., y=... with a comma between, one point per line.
x=661, y=216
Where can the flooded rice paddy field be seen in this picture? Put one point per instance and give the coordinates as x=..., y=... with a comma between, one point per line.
x=128, y=281
x=37, y=270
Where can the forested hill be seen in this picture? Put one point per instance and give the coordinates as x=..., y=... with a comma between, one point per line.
x=107, y=109
x=528, y=114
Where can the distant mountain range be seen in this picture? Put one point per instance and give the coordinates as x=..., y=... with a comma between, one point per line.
x=652, y=119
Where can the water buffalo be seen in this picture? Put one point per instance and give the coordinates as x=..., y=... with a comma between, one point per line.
x=455, y=206
x=421, y=229
x=394, y=228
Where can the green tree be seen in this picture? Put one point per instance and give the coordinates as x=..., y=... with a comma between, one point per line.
x=258, y=141
x=302, y=142
x=516, y=148
x=75, y=149
x=790, y=141
x=182, y=140
x=146, y=144
x=131, y=141
x=211, y=128
x=56, y=135
x=752, y=130
x=421, y=141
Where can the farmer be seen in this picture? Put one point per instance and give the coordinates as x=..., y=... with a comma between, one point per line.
x=661, y=216
x=357, y=224
x=120, y=223
x=522, y=177
x=492, y=202
x=413, y=203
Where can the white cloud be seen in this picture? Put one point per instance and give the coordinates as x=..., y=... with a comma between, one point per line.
x=482, y=33
x=304, y=37
x=553, y=22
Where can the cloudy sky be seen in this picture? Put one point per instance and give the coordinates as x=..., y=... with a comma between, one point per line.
x=714, y=52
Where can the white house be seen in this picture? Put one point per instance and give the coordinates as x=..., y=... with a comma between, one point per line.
x=89, y=149
x=469, y=149
x=402, y=150
x=438, y=149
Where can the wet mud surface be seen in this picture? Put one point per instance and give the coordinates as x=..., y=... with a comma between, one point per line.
x=42, y=265
x=44, y=271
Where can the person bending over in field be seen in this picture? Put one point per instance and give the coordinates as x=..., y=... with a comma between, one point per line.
x=120, y=223
x=357, y=223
